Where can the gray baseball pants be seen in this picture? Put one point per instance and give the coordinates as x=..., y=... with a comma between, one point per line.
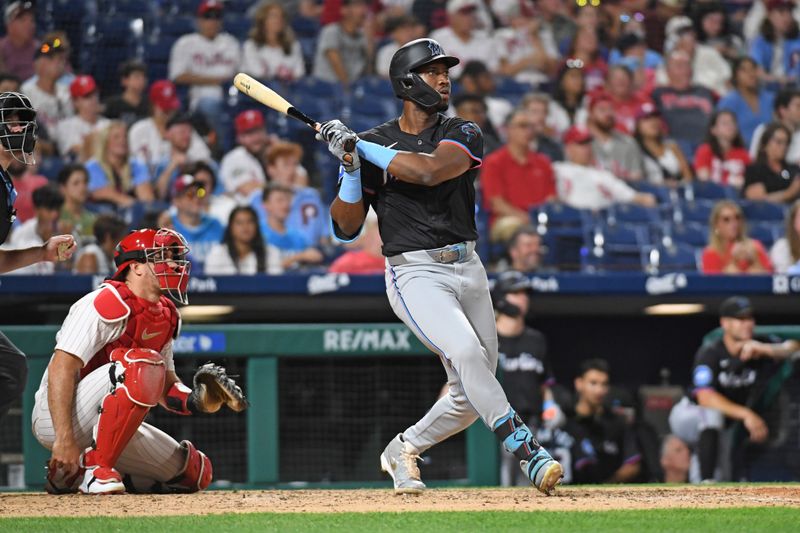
x=449, y=309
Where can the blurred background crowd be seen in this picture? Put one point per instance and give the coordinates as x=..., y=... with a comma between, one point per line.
x=620, y=135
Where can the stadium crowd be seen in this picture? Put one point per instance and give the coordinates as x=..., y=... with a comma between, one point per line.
x=620, y=135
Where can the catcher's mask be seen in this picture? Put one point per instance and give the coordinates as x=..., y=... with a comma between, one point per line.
x=18, y=130
x=166, y=251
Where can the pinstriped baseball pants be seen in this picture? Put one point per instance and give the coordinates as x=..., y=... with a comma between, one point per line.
x=151, y=454
x=448, y=308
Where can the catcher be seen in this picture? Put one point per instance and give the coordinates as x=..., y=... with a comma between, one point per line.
x=112, y=363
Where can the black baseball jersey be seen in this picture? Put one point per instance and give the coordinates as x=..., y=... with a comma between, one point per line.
x=7, y=197
x=417, y=217
x=526, y=368
x=716, y=368
x=602, y=444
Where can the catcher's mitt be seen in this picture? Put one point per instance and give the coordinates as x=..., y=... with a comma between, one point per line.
x=213, y=388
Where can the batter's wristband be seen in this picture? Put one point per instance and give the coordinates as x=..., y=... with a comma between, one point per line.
x=350, y=188
x=375, y=153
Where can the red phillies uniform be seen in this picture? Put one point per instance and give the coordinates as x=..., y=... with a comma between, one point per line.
x=150, y=325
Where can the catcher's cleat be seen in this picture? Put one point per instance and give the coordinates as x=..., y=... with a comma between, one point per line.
x=399, y=460
x=102, y=480
x=543, y=471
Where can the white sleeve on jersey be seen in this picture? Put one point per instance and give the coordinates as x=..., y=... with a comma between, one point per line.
x=84, y=332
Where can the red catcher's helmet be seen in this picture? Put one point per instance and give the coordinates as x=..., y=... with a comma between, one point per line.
x=166, y=250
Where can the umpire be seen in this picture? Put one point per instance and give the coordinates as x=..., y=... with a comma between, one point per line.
x=17, y=139
x=418, y=172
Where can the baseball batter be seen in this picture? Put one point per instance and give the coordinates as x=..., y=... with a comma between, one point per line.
x=17, y=141
x=113, y=363
x=417, y=173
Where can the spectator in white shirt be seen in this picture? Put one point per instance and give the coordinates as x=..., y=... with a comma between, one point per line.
x=582, y=186
x=242, y=250
x=47, y=201
x=462, y=39
x=525, y=51
x=148, y=137
x=272, y=52
x=242, y=169
x=74, y=134
x=206, y=59
x=51, y=99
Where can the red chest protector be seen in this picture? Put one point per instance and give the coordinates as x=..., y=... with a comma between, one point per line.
x=150, y=325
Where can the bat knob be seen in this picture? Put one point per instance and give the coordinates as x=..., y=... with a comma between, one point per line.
x=349, y=145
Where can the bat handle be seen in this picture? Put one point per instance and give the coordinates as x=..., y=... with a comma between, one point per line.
x=349, y=145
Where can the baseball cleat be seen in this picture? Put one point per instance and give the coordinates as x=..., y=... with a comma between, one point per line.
x=543, y=471
x=399, y=460
x=101, y=480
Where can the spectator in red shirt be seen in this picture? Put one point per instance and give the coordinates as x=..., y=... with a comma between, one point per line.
x=730, y=250
x=723, y=157
x=627, y=102
x=515, y=178
x=364, y=256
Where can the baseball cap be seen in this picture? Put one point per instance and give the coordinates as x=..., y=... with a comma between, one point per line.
x=183, y=183
x=456, y=6
x=248, y=120
x=207, y=6
x=164, y=95
x=50, y=48
x=597, y=97
x=577, y=134
x=15, y=9
x=678, y=25
x=736, y=307
x=647, y=110
x=82, y=86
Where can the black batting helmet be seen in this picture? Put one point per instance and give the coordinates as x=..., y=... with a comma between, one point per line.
x=510, y=281
x=18, y=132
x=406, y=83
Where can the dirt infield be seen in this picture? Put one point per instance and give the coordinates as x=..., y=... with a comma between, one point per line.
x=327, y=501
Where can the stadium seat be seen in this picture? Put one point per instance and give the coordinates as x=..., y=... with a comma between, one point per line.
x=708, y=190
x=237, y=25
x=157, y=48
x=373, y=86
x=511, y=89
x=375, y=108
x=696, y=211
x=765, y=232
x=676, y=258
x=663, y=194
x=313, y=88
x=175, y=25
x=613, y=248
x=305, y=27
x=690, y=233
x=632, y=213
x=762, y=211
x=553, y=214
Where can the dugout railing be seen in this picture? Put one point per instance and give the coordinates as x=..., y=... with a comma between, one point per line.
x=325, y=399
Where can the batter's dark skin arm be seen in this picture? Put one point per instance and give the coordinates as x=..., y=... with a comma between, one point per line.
x=447, y=161
x=349, y=217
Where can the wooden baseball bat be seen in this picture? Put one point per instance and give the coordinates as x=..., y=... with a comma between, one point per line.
x=261, y=93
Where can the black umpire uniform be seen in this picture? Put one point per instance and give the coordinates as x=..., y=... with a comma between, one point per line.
x=13, y=366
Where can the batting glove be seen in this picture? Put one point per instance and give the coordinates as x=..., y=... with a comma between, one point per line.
x=328, y=129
